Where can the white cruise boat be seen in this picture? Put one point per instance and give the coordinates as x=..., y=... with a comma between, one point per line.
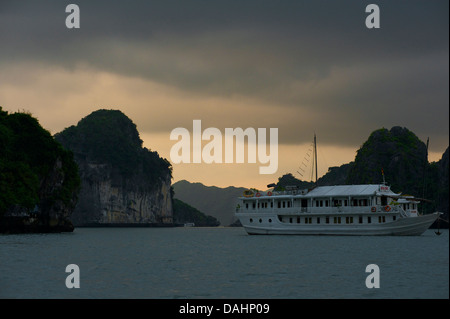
x=332, y=210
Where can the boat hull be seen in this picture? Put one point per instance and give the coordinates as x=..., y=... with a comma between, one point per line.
x=411, y=226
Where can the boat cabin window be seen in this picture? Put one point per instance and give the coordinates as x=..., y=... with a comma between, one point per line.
x=340, y=202
x=409, y=206
x=383, y=200
x=304, y=203
x=318, y=203
x=360, y=202
x=336, y=203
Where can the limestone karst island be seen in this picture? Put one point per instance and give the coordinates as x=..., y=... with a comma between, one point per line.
x=97, y=173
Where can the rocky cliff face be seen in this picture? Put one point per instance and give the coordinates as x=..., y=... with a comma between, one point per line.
x=51, y=214
x=108, y=198
x=56, y=211
x=121, y=182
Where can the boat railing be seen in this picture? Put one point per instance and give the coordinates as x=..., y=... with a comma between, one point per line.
x=291, y=192
x=333, y=210
x=285, y=193
x=388, y=208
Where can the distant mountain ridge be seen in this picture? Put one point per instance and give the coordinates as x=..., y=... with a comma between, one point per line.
x=185, y=214
x=211, y=200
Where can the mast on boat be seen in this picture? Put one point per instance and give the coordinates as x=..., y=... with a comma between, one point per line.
x=315, y=155
x=314, y=161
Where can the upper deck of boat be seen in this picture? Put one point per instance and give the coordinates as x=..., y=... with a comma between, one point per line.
x=343, y=191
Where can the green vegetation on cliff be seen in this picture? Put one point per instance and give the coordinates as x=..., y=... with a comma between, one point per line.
x=398, y=153
x=110, y=137
x=290, y=180
x=28, y=156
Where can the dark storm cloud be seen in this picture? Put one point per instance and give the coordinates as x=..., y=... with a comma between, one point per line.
x=298, y=37
x=315, y=55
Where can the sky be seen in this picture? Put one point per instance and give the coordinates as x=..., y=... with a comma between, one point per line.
x=303, y=67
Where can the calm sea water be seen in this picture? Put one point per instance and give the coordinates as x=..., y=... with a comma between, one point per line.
x=220, y=263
